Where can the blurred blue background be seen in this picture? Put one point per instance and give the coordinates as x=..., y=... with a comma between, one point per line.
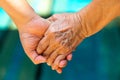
x=97, y=58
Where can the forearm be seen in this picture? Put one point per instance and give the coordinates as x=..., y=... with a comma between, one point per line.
x=19, y=10
x=98, y=14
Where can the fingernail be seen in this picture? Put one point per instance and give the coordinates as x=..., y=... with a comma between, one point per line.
x=59, y=72
x=69, y=59
x=48, y=64
x=53, y=68
x=40, y=60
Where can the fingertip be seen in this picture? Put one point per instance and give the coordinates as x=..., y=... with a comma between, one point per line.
x=59, y=71
x=40, y=59
x=55, y=67
x=63, y=63
x=48, y=64
x=39, y=51
x=69, y=57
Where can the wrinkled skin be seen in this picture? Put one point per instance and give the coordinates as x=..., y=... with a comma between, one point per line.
x=62, y=37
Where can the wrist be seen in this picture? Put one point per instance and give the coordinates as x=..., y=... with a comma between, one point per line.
x=81, y=27
x=81, y=30
x=25, y=19
x=21, y=18
x=22, y=25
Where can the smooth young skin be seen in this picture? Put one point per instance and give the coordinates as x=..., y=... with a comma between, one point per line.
x=31, y=27
x=68, y=30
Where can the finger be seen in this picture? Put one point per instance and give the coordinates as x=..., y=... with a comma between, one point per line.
x=49, y=50
x=36, y=59
x=62, y=57
x=57, y=61
x=69, y=57
x=40, y=59
x=59, y=70
x=62, y=63
x=53, y=56
x=42, y=46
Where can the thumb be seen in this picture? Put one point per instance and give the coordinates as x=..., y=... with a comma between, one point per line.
x=35, y=58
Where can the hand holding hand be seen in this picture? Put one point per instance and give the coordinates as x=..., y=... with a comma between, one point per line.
x=30, y=34
x=62, y=37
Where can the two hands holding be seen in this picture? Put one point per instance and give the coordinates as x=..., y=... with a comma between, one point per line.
x=49, y=40
x=52, y=40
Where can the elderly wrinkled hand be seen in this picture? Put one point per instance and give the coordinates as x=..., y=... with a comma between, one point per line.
x=62, y=37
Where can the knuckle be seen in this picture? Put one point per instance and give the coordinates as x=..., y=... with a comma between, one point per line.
x=55, y=67
x=39, y=49
x=50, y=60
